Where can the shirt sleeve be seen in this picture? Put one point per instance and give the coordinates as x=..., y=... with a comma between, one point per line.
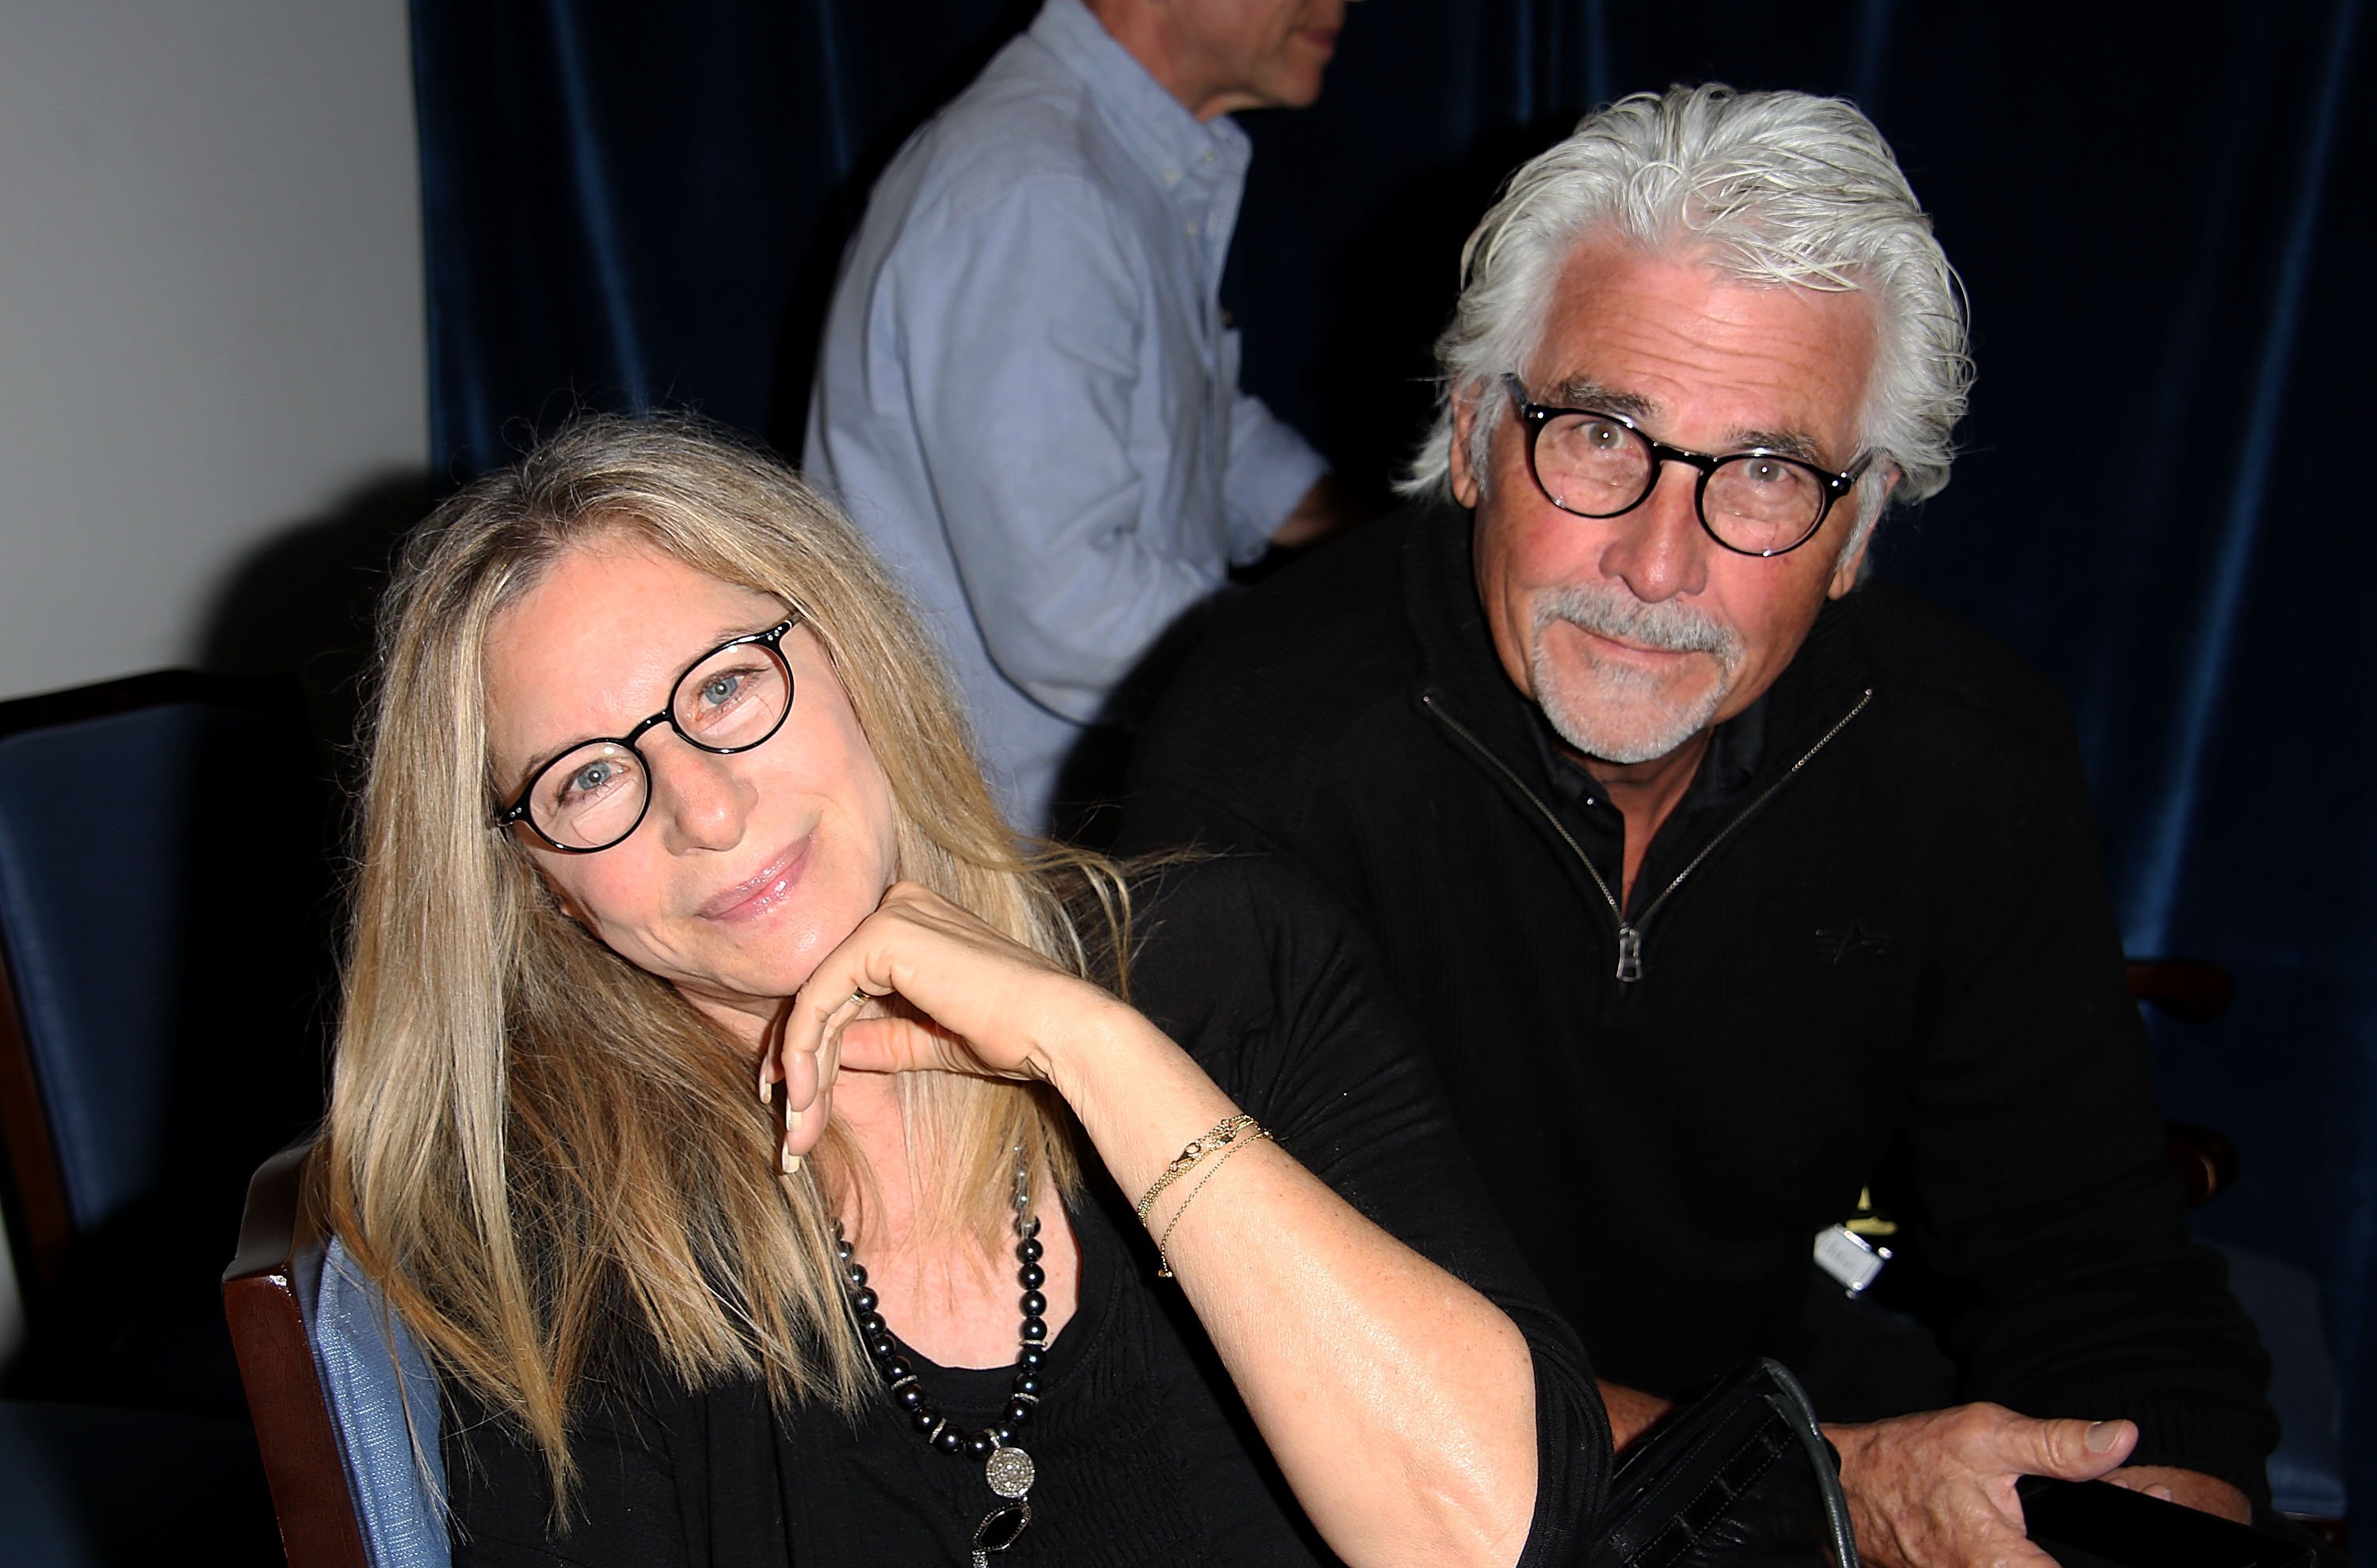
x=1281, y=1001
x=2040, y=1173
x=1024, y=328
x=1271, y=467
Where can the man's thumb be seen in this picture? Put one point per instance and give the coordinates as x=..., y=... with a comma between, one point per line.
x=2079, y=1450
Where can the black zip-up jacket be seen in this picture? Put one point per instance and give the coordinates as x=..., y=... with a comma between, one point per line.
x=1877, y=926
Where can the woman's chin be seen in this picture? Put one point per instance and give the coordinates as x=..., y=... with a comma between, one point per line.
x=747, y=1015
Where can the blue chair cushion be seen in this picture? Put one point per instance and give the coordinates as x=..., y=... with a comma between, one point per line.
x=101, y=1046
x=2307, y=1472
x=383, y=1399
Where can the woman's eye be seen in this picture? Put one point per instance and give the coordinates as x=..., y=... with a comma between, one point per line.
x=719, y=690
x=590, y=778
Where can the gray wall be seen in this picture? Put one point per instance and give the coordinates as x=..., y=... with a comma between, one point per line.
x=211, y=307
x=211, y=315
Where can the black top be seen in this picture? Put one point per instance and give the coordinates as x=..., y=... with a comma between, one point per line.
x=1144, y=1452
x=1877, y=949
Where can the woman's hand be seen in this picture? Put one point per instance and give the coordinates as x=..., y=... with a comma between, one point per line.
x=975, y=1001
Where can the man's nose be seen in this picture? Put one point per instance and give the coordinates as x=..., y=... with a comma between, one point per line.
x=1658, y=550
x=700, y=798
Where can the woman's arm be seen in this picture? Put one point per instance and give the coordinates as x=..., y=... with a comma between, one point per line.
x=1399, y=1402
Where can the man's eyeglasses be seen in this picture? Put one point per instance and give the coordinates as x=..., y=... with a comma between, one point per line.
x=595, y=793
x=1754, y=503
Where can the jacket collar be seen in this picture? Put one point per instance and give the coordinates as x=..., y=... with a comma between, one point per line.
x=1459, y=669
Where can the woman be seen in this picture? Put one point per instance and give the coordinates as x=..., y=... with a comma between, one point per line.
x=719, y=1094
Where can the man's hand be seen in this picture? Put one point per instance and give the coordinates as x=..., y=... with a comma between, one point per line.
x=1631, y=1412
x=2189, y=1489
x=1325, y=511
x=1936, y=1490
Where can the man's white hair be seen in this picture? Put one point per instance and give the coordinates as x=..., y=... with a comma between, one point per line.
x=1777, y=188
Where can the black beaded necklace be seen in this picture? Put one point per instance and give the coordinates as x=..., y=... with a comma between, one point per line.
x=1006, y=1469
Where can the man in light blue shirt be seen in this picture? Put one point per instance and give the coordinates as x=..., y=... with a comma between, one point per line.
x=1028, y=393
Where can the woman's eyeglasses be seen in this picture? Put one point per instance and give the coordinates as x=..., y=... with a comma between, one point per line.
x=595, y=793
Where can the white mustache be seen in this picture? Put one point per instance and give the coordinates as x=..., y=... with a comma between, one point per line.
x=1669, y=625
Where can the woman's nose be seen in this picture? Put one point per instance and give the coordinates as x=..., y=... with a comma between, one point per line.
x=701, y=798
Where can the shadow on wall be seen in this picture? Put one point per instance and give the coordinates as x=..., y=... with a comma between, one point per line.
x=133, y=1318
x=301, y=605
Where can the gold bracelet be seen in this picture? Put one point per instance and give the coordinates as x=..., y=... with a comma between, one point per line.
x=1197, y=1148
x=1162, y=1260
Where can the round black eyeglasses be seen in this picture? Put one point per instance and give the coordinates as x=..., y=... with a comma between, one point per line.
x=1758, y=502
x=593, y=795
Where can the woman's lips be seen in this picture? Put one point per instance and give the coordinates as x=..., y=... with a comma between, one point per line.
x=755, y=896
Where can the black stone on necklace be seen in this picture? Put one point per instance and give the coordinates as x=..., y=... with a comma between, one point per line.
x=1006, y=1469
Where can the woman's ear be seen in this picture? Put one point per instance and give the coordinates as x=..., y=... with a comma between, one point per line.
x=561, y=901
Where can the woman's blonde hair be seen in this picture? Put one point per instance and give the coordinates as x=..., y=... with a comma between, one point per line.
x=542, y=1152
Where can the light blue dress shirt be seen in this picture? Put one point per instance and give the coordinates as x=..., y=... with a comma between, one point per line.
x=1027, y=395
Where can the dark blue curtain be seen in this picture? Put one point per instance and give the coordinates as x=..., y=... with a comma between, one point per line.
x=2163, y=214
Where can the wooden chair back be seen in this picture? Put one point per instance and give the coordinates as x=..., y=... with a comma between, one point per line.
x=265, y=1291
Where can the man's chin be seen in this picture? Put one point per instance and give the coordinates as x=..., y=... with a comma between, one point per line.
x=1625, y=730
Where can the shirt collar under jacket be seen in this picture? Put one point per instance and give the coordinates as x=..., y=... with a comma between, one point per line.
x=1200, y=166
x=1460, y=671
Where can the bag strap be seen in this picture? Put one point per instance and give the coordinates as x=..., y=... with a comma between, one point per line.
x=1790, y=1402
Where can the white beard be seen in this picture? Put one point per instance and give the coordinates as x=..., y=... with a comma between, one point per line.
x=1618, y=713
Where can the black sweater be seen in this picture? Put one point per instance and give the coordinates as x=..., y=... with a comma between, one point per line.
x=1876, y=927
x=1144, y=1452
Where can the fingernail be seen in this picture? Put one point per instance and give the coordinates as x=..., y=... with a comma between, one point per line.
x=2103, y=1435
x=792, y=1163
x=2163, y=1492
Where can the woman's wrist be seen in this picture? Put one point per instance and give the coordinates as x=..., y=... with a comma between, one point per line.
x=1097, y=1041
x=1136, y=1094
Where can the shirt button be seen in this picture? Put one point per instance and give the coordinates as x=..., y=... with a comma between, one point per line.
x=1192, y=231
x=1171, y=176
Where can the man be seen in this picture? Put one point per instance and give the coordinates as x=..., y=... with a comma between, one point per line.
x=1723, y=891
x=1028, y=393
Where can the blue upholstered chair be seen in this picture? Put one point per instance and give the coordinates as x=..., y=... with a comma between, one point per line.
x=162, y=897
x=345, y=1403
x=160, y=910
x=2307, y=1471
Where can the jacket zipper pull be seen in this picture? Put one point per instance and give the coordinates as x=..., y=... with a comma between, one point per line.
x=1630, y=954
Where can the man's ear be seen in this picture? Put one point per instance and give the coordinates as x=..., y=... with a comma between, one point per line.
x=1846, y=570
x=1466, y=486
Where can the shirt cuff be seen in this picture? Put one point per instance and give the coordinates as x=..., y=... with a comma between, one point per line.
x=1271, y=469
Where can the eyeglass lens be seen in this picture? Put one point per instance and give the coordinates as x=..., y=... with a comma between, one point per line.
x=1596, y=467
x=594, y=796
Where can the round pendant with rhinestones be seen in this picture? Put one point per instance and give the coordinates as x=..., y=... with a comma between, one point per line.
x=1010, y=1472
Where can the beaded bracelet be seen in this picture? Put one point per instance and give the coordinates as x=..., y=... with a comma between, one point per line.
x=1197, y=1149
x=1162, y=1260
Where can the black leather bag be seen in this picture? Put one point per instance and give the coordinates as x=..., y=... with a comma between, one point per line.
x=1740, y=1477
x=2091, y=1525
